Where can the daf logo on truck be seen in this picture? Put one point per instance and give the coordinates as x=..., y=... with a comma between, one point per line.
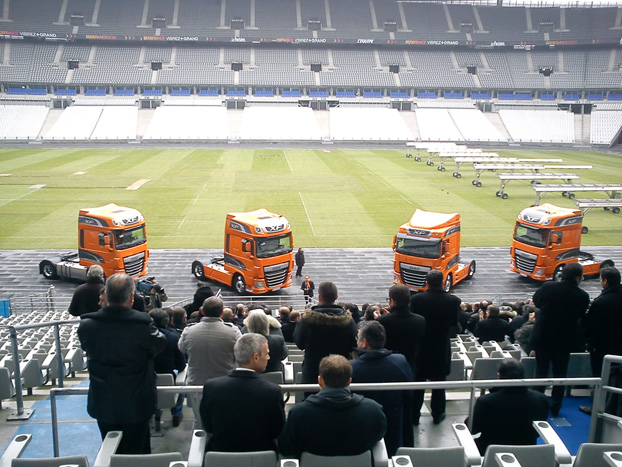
x=112, y=236
x=258, y=256
x=548, y=237
x=430, y=240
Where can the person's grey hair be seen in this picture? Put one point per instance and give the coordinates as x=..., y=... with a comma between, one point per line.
x=257, y=321
x=212, y=307
x=247, y=346
x=160, y=317
x=95, y=271
x=119, y=289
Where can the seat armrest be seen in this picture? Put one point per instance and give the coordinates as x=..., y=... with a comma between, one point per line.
x=15, y=449
x=108, y=448
x=465, y=439
x=550, y=436
x=197, y=448
x=506, y=459
x=379, y=454
x=613, y=458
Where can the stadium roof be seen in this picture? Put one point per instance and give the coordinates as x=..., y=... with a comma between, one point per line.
x=531, y=3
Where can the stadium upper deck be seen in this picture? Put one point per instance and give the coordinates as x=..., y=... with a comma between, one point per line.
x=310, y=21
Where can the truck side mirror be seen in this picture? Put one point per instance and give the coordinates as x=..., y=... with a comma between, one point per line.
x=104, y=240
x=246, y=247
x=556, y=239
x=394, y=242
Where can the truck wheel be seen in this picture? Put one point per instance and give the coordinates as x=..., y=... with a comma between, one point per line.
x=616, y=210
x=447, y=286
x=48, y=270
x=197, y=270
x=471, y=272
x=557, y=274
x=584, y=230
x=238, y=284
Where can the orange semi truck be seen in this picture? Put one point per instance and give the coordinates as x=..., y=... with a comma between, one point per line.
x=548, y=237
x=111, y=236
x=259, y=254
x=430, y=240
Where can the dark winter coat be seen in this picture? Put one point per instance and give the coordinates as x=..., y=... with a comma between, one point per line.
x=170, y=358
x=242, y=412
x=506, y=415
x=384, y=366
x=562, y=305
x=324, y=330
x=493, y=328
x=440, y=310
x=603, y=322
x=405, y=331
x=86, y=297
x=333, y=422
x=120, y=345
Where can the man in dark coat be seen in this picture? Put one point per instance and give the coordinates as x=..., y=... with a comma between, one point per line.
x=333, y=422
x=562, y=304
x=440, y=310
x=375, y=364
x=203, y=292
x=120, y=344
x=493, y=328
x=299, y=258
x=506, y=416
x=323, y=330
x=242, y=411
x=405, y=331
x=307, y=288
x=289, y=327
x=86, y=297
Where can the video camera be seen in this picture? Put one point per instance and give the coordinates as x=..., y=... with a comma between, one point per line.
x=143, y=286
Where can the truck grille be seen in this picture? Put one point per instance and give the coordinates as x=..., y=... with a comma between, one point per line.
x=413, y=276
x=525, y=262
x=134, y=264
x=276, y=275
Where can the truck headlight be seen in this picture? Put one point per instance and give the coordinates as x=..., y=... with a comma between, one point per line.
x=259, y=285
x=539, y=272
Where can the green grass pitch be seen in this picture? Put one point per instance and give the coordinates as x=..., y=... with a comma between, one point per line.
x=332, y=198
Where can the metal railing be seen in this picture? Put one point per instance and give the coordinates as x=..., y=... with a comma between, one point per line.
x=39, y=301
x=20, y=413
x=360, y=387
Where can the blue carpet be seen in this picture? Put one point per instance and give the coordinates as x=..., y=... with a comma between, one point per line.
x=572, y=425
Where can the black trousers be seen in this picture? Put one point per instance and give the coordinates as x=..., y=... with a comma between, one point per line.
x=558, y=360
x=136, y=437
x=299, y=270
x=437, y=404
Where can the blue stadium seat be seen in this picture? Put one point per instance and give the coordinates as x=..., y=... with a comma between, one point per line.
x=524, y=97
x=614, y=97
x=176, y=92
x=506, y=97
x=595, y=97
x=36, y=91
x=17, y=91
x=128, y=92
x=571, y=97
x=547, y=97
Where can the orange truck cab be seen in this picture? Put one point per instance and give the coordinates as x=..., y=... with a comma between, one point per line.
x=430, y=240
x=259, y=254
x=111, y=236
x=548, y=237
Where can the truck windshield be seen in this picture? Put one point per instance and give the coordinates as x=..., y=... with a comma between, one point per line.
x=274, y=246
x=128, y=238
x=530, y=235
x=418, y=247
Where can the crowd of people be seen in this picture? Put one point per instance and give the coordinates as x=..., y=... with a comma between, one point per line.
x=224, y=349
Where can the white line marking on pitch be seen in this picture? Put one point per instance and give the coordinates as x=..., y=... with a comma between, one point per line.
x=78, y=173
x=307, y=212
x=203, y=187
x=137, y=184
x=15, y=199
x=181, y=223
x=405, y=200
x=287, y=160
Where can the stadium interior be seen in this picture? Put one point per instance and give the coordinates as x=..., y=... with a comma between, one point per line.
x=310, y=71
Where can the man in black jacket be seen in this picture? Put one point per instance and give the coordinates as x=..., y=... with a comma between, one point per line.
x=440, y=310
x=86, y=297
x=333, y=422
x=603, y=321
x=506, y=415
x=493, y=328
x=120, y=344
x=323, y=330
x=242, y=411
x=405, y=332
x=562, y=304
x=299, y=258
